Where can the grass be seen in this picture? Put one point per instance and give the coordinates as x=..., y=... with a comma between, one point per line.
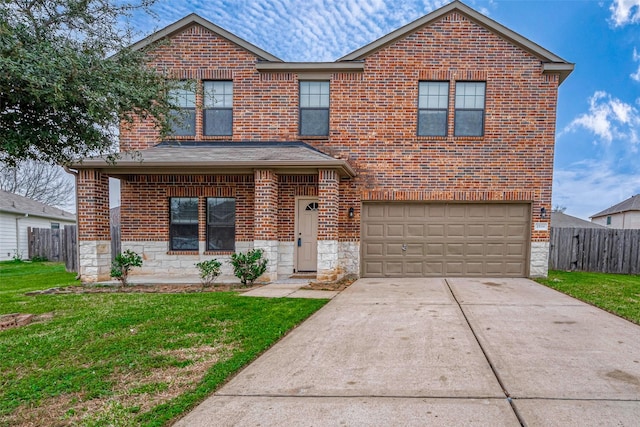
x=616, y=293
x=115, y=359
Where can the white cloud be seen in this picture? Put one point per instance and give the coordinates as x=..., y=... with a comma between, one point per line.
x=625, y=12
x=608, y=118
x=590, y=186
x=636, y=58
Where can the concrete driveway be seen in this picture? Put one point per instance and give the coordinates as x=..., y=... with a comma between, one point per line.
x=441, y=352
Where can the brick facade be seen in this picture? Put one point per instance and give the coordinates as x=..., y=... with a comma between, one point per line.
x=373, y=126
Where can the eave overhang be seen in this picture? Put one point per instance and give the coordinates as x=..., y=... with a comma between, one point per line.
x=224, y=158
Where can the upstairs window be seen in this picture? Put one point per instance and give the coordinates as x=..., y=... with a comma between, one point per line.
x=183, y=224
x=218, y=108
x=221, y=224
x=433, y=103
x=183, y=118
x=469, y=118
x=314, y=108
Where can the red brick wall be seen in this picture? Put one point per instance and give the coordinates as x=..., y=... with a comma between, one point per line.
x=93, y=204
x=374, y=119
x=145, y=203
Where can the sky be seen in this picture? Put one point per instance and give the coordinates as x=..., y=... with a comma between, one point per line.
x=597, y=158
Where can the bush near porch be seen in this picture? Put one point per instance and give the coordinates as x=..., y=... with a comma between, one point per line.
x=616, y=293
x=125, y=358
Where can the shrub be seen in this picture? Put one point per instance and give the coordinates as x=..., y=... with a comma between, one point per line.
x=122, y=264
x=39, y=259
x=209, y=271
x=248, y=266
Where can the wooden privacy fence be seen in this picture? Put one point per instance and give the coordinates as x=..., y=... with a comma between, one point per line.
x=54, y=245
x=61, y=246
x=603, y=250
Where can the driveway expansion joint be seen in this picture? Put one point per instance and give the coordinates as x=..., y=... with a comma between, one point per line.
x=486, y=356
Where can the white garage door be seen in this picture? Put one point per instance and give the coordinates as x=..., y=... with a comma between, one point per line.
x=405, y=239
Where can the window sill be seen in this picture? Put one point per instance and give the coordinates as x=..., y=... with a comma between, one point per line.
x=183, y=252
x=314, y=137
x=218, y=252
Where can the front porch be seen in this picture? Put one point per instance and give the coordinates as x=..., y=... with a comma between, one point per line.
x=272, y=189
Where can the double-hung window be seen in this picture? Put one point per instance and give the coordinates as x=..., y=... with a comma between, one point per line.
x=221, y=224
x=183, y=117
x=183, y=224
x=433, y=103
x=218, y=108
x=469, y=116
x=314, y=108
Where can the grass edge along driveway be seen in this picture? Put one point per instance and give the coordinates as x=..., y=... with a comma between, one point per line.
x=125, y=358
x=616, y=293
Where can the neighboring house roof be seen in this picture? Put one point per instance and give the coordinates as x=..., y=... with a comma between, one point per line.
x=221, y=157
x=192, y=19
x=551, y=62
x=562, y=220
x=631, y=204
x=16, y=204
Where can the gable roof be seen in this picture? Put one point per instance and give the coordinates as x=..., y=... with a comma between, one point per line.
x=562, y=220
x=221, y=157
x=195, y=19
x=551, y=63
x=16, y=204
x=631, y=204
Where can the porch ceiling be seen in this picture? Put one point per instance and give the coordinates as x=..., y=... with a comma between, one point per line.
x=218, y=158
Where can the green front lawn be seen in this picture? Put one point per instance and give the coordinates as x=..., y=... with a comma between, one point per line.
x=125, y=358
x=616, y=293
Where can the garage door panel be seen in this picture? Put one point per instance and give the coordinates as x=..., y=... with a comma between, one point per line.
x=374, y=249
x=396, y=211
x=456, y=231
x=416, y=231
x=476, y=230
x=496, y=231
x=453, y=268
x=435, y=249
x=516, y=250
x=475, y=268
x=395, y=230
x=373, y=268
x=435, y=230
x=394, y=249
x=454, y=249
x=417, y=249
x=373, y=230
x=445, y=239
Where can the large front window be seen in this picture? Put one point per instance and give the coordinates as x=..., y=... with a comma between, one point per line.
x=314, y=108
x=221, y=224
x=469, y=119
x=218, y=108
x=182, y=118
x=433, y=102
x=183, y=224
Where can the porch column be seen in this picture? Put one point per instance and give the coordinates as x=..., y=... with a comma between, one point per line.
x=94, y=237
x=328, y=200
x=266, y=220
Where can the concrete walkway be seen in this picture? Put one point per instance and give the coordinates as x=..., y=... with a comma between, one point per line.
x=415, y=352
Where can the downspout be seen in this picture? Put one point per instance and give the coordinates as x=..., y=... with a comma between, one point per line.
x=74, y=172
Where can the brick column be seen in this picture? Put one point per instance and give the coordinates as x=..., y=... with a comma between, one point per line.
x=266, y=220
x=328, y=210
x=94, y=236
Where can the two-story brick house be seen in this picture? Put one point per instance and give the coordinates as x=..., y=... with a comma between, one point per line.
x=428, y=152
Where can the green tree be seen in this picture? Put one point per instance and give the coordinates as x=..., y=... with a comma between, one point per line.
x=68, y=77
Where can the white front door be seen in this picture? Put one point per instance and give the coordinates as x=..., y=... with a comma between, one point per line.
x=307, y=235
